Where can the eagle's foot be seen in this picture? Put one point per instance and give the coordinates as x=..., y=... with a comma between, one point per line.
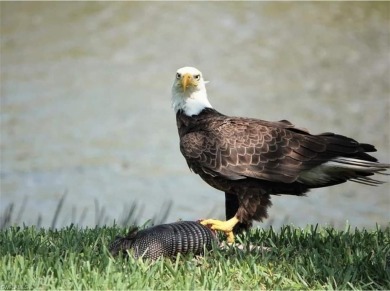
x=225, y=226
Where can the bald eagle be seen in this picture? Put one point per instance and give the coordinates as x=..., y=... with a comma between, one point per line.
x=250, y=159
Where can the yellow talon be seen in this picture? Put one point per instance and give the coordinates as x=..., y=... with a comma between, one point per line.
x=225, y=226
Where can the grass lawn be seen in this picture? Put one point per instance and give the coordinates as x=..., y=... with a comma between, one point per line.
x=310, y=258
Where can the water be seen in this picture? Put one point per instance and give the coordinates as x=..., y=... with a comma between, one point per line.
x=85, y=100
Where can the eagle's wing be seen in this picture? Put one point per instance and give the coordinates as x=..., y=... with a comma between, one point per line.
x=237, y=148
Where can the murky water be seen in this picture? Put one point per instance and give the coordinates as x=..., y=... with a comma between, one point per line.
x=85, y=100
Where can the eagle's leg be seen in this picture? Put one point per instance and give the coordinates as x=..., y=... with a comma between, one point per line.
x=231, y=207
x=225, y=226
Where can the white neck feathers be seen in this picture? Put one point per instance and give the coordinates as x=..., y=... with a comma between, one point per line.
x=192, y=102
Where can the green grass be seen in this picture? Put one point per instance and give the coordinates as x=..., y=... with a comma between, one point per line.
x=310, y=258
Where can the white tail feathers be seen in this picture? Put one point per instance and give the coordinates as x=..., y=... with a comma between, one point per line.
x=341, y=169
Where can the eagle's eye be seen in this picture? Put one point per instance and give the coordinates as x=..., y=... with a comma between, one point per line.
x=178, y=76
x=197, y=77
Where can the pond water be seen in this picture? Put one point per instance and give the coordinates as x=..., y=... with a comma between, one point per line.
x=85, y=101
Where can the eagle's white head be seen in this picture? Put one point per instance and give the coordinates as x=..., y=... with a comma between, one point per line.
x=189, y=91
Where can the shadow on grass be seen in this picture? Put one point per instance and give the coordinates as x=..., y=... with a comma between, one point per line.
x=129, y=216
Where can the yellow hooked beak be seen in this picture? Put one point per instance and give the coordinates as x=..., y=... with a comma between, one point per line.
x=186, y=81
